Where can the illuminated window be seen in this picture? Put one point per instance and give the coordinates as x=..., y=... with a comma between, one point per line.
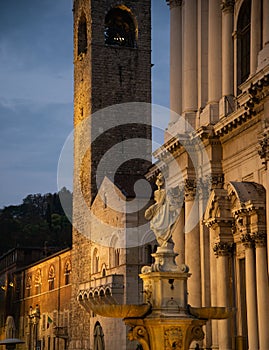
x=243, y=42
x=67, y=272
x=28, y=285
x=51, y=278
x=120, y=28
x=38, y=281
x=95, y=261
x=117, y=257
x=82, y=35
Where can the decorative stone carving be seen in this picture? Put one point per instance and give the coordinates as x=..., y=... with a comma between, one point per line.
x=173, y=338
x=190, y=189
x=217, y=181
x=140, y=334
x=174, y=3
x=223, y=248
x=197, y=333
x=260, y=239
x=247, y=240
x=264, y=148
x=227, y=5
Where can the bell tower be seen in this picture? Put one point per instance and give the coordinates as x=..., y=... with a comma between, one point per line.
x=112, y=66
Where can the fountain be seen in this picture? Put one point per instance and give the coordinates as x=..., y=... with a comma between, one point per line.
x=165, y=320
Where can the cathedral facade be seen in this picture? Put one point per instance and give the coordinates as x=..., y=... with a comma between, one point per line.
x=219, y=85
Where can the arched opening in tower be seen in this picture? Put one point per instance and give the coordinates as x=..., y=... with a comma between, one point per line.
x=120, y=28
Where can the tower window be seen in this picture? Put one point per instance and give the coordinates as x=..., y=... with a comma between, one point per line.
x=82, y=35
x=243, y=43
x=120, y=29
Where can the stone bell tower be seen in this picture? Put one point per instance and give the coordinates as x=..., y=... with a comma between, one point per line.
x=112, y=65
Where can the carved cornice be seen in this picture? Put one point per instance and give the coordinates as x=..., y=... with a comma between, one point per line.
x=254, y=92
x=223, y=248
x=227, y=6
x=174, y=3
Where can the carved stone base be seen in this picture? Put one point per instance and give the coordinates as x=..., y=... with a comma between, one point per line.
x=165, y=259
x=166, y=334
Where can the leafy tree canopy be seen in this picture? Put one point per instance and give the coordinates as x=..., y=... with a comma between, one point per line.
x=39, y=220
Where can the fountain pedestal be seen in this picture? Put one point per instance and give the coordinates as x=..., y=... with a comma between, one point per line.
x=165, y=321
x=169, y=325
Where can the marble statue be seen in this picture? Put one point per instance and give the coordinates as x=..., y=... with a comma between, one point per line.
x=162, y=214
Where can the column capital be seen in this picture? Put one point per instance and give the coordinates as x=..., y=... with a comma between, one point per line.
x=223, y=248
x=260, y=239
x=174, y=3
x=227, y=5
x=190, y=189
x=264, y=147
x=247, y=240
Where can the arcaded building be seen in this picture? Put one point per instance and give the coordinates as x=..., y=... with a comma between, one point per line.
x=220, y=85
x=35, y=304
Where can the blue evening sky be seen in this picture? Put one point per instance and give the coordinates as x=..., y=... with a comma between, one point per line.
x=36, y=90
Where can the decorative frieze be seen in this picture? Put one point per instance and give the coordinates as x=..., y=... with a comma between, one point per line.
x=223, y=248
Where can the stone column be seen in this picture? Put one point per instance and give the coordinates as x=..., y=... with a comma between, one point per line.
x=202, y=69
x=206, y=295
x=262, y=290
x=192, y=243
x=264, y=155
x=255, y=34
x=189, y=103
x=226, y=103
x=251, y=297
x=223, y=251
x=211, y=112
x=179, y=237
x=175, y=58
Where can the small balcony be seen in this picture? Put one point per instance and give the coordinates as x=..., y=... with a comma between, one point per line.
x=108, y=289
